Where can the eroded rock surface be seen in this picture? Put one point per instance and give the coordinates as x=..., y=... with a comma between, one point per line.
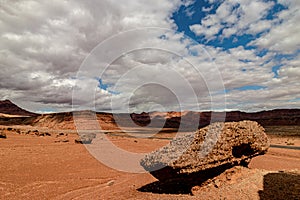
x=209, y=151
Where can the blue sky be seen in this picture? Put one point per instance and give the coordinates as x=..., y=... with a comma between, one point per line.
x=191, y=21
x=187, y=16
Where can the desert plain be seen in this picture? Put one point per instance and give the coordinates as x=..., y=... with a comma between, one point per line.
x=40, y=159
x=53, y=166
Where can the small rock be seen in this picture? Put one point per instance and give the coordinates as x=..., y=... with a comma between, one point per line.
x=39, y=134
x=85, y=138
x=110, y=183
x=3, y=135
x=83, y=141
x=195, y=189
x=47, y=134
x=217, y=183
x=228, y=176
x=60, y=134
x=62, y=140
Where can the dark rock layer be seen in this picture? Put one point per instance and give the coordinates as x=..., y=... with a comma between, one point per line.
x=7, y=107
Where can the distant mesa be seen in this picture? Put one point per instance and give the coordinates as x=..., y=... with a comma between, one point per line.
x=9, y=108
x=11, y=114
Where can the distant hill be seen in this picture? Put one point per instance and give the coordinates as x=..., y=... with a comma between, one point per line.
x=279, y=117
x=9, y=108
x=109, y=121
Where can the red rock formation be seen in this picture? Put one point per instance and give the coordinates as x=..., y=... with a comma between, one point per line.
x=185, y=120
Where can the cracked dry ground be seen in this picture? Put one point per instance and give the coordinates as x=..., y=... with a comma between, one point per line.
x=38, y=168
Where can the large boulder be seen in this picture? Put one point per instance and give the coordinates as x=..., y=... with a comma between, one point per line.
x=208, y=152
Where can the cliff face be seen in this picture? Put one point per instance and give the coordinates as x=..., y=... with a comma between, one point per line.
x=186, y=120
x=280, y=117
x=7, y=107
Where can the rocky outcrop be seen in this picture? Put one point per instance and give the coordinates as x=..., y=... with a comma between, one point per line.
x=7, y=107
x=208, y=151
x=142, y=119
x=187, y=121
x=279, y=117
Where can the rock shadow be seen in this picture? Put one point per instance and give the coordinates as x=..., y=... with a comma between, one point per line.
x=281, y=185
x=183, y=184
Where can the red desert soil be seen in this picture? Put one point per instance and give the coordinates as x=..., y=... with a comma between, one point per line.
x=35, y=167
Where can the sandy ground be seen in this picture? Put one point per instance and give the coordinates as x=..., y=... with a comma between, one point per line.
x=50, y=167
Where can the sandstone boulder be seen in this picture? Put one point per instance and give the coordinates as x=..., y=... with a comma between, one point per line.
x=208, y=152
